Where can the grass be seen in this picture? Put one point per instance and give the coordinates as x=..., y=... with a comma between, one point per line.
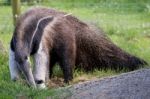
x=126, y=22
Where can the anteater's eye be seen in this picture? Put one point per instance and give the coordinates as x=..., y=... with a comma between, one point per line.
x=26, y=57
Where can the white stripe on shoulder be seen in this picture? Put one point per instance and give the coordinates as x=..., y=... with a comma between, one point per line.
x=37, y=28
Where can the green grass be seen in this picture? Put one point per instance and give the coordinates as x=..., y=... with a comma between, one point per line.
x=126, y=22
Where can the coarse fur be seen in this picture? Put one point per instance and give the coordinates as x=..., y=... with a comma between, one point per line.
x=64, y=39
x=14, y=71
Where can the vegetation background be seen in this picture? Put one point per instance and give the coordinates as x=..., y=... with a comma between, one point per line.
x=126, y=23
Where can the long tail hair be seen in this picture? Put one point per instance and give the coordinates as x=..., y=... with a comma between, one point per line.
x=95, y=50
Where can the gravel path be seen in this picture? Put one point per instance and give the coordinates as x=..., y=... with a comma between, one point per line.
x=132, y=85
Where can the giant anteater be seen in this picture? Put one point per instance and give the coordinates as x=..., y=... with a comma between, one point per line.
x=51, y=37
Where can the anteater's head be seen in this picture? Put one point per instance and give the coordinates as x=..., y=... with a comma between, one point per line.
x=26, y=39
x=22, y=54
x=21, y=44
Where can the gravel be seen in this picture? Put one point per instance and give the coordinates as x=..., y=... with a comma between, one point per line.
x=132, y=85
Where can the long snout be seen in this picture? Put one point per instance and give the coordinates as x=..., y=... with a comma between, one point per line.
x=27, y=71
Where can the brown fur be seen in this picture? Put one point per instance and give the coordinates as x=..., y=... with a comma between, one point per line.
x=72, y=42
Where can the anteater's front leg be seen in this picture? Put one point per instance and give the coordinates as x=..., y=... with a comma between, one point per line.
x=41, y=70
x=14, y=71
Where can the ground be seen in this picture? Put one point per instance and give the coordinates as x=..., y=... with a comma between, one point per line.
x=132, y=85
x=125, y=22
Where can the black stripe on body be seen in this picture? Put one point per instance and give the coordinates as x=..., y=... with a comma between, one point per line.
x=12, y=44
x=38, y=35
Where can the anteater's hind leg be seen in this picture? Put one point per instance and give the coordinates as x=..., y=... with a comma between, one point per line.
x=67, y=61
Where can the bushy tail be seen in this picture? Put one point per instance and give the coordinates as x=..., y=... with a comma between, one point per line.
x=95, y=50
x=135, y=62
